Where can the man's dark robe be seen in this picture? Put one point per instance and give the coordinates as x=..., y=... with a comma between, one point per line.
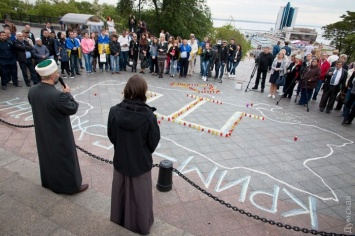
x=58, y=160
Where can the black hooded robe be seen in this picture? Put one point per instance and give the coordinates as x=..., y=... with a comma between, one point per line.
x=58, y=160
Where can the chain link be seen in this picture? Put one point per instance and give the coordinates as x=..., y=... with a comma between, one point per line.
x=256, y=217
x=228, y=205
x=17, y=126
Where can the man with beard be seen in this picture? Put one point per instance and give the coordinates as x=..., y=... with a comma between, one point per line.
x=51, y=109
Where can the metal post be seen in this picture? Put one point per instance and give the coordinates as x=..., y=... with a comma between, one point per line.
x=139, y=9
x=165, y=178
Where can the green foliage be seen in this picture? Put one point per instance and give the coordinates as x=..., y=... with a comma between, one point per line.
x=342, y=34
x=227, y=33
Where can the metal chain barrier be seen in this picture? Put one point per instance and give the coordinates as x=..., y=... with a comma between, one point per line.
x=228, y=205
x=17, y=126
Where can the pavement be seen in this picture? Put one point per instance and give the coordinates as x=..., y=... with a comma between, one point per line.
x=276, y=161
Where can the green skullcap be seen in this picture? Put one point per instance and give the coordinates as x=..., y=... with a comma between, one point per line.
x=44, y=63
x=47, y=67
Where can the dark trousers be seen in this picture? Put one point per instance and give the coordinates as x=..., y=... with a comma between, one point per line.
x=306, y=95
x=107, y=63
x=74, y=64
x=328, y=97
x=64, y=65
x=289, y=86
x=154, y=65
x=8, y=73
x=316, y=91
x=258, y=74
x=28, y=64
x=349, y=109
x=184, y=66
x=123, y=60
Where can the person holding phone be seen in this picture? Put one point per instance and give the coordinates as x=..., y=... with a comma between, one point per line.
x=124, y=41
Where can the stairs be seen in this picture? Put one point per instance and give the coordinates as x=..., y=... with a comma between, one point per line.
x=26, y=208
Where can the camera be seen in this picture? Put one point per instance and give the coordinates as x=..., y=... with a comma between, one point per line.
x=257, y=60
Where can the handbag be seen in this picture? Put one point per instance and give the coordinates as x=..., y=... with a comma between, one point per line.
x=92, y=53
x=280, y=81
x=199, y=51
x=103, y=58
x=144, y=63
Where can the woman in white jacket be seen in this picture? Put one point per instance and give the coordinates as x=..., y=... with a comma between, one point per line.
x=194, y=48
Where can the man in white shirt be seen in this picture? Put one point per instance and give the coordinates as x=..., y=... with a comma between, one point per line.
x=333, y=57
x=124, y=41
x=334, y=80
x=309, y=48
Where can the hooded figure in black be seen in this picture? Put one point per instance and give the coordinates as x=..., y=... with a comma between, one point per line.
x=133, y=130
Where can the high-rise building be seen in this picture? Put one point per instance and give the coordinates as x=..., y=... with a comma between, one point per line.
x=286, y=17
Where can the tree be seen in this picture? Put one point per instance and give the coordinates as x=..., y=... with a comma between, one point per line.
x=342, y=34
x=177, y=17
x=228, y=32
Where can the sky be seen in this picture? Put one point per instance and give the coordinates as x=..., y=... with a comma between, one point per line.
x=310, y=12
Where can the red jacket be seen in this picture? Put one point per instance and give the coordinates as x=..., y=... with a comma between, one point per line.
x=323, y=68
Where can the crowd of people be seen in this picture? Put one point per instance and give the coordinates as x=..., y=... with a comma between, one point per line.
x=311, y=73
x=133, y=119
x=75, y=50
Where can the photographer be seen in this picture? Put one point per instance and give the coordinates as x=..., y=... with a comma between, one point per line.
x=132, y=24
x=264, y=61
x=221, y=58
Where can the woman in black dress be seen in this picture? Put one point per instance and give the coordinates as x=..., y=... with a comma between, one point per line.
x=277, y=70
x=293, y=75
x=133, y=130
x=134, y=49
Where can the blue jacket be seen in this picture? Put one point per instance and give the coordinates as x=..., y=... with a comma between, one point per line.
x=186, y=48
x=276, y=50
x=70, y=45
x=63, y=53
x=7, y=53
x=103, y=39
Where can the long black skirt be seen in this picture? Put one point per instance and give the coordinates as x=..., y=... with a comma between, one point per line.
x=132, y=202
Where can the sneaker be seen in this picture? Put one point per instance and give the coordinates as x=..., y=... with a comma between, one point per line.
x=78, y=74
x=71, y=76
x=219, y=81
x=269, y=96
x=255, y=87
x=281, y=94
x=262, y=90
x=273, y=96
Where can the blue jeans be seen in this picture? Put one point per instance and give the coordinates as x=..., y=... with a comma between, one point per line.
x=230, y=64
x=173, y=67
x=115, y=63
x=234, y=65
x=88, y=62
x=123, y=60
x=220, y=70
x=74, y=64
x=205, y=65
x=316, y=91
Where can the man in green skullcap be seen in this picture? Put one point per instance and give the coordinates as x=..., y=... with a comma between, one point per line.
x=51, y=108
